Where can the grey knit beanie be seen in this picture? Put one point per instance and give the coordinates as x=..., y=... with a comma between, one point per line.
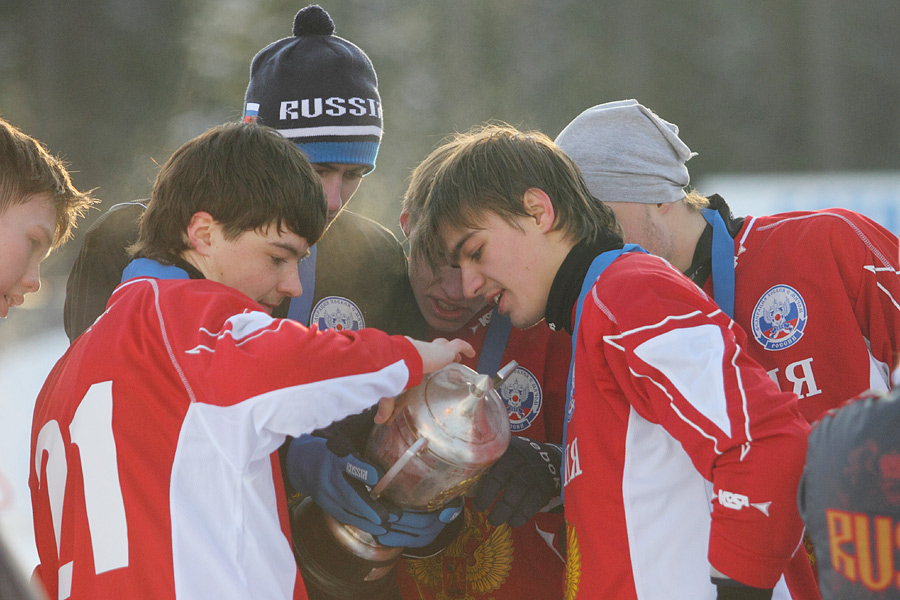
x=627, y=153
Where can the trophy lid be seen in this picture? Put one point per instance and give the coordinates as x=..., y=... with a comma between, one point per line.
x=462, y=416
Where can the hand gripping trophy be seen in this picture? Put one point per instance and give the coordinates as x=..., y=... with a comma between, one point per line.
x=443, y=436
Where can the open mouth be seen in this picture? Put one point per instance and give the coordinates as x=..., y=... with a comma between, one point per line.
x=445, y=310
x=448, y=311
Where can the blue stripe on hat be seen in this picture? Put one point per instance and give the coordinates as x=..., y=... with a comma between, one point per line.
x=344, y=153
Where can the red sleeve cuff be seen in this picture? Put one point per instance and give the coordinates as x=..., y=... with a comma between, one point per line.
x=740, y=564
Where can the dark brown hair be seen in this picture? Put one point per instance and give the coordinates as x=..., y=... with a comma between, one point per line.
x=246, y=176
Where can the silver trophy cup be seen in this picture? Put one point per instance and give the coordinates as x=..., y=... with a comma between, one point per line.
x=443, y=435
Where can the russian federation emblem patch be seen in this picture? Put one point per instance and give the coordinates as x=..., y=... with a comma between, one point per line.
x=523, y=397
x=335, y=312
x=779, y=318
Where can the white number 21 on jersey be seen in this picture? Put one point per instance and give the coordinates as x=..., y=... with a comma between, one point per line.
x=91, y=431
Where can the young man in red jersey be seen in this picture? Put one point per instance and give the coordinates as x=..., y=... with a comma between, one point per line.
x=514, y=519
x=681, y=457
x=818, y=292
x=154, y=472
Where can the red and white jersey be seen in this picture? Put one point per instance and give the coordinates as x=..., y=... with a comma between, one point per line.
x=818, y=294
x=504, y=563
x=680, y=452
x=153, y=440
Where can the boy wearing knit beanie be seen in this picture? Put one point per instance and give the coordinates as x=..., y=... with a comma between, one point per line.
x=781, y=277
x=320, y=91
x=791, y=280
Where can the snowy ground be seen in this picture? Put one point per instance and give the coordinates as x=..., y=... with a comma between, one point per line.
x=23, y=367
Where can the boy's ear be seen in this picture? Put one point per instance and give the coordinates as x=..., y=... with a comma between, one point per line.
x=404, y=223
x=540, y=208
x=199, y=232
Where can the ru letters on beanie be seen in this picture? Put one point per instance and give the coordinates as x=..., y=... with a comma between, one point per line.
x=626, y=153
x=318, y=90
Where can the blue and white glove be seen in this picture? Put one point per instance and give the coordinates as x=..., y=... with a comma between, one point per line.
x=336, y=478
x=416, y=529
x=332, y=473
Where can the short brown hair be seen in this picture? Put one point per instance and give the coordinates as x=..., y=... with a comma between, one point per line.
x=246, y=176
x=489, y=169
x=27, y=169
x=421, y=180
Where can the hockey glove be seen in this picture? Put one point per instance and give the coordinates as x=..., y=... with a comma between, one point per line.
x=416, y=529
x=336, y=478
x=524, y=480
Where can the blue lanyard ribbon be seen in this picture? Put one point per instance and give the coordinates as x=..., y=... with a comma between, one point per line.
x=301, y=306
x=494, y=344
x=722, y=262
x=596, y=269
x=145, y=267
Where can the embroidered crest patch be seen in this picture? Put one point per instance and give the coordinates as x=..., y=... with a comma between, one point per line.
x=779, y=318
x=335, y=312
x=522, y=395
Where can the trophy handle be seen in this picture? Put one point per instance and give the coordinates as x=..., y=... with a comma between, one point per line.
x=395, y=469
x=503, y=373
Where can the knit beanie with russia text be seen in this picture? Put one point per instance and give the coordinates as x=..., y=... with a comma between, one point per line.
x=318, y=90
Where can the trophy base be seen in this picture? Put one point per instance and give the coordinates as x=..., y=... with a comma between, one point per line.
x=340, y=562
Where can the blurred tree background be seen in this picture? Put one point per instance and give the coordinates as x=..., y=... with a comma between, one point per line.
x=114, y=86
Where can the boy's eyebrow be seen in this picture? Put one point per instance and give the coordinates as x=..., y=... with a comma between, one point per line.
x=454, y=254
x=291, y=249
